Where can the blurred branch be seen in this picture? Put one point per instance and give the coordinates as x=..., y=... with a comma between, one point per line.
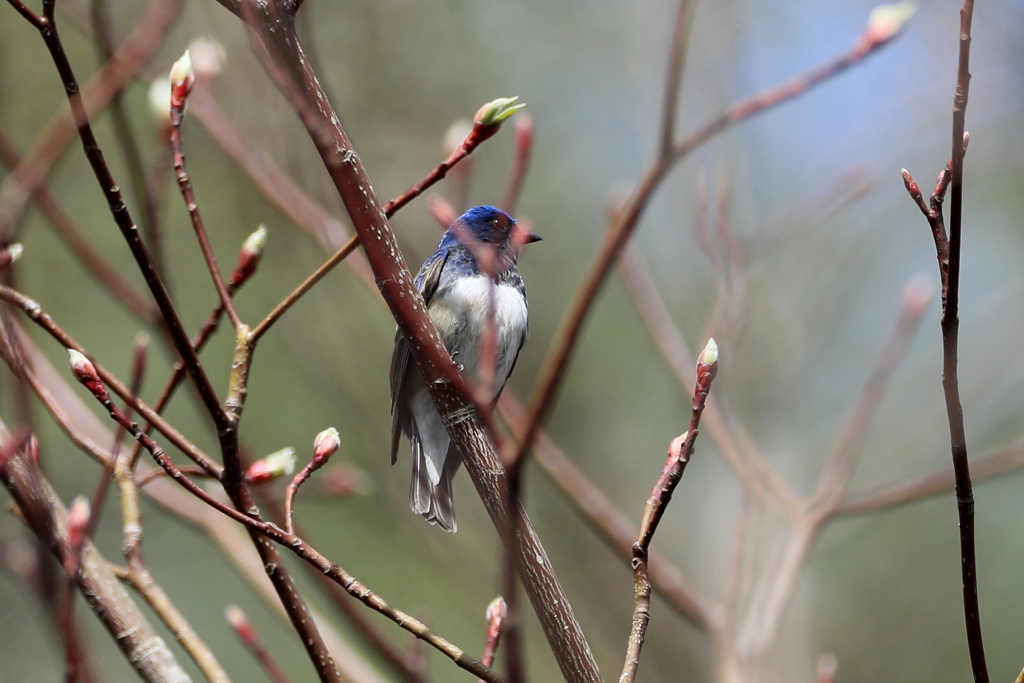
x=245, y=631
x=91, y=259
x=674, y=76
x=775, y=592
x=625, y=221
x=138, y=48
x=892, y=495
x=42, y=510
x=103, y=35
x=520, y=162
x=835, y=473
x=612, y=524
x=728, y=433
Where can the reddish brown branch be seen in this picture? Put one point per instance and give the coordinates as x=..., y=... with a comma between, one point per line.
x=948, y=253
x=285, y=61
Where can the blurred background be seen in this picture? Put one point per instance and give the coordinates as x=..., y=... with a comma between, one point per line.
x=811, y=192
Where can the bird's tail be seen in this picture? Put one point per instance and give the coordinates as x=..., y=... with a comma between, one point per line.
x=435, y=503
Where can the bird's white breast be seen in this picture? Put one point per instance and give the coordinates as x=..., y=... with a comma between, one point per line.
x=460, y=314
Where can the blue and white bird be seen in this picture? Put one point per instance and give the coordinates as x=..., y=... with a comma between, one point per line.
x=458, y=292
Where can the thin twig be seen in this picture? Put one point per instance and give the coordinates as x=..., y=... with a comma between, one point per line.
x=679, y=452
x=948, y=253
x=245, y=631
x=727, y=433
x=674, y=77
x=609, y=522
x=299, y=291
x=179, y=98
x=521, y=161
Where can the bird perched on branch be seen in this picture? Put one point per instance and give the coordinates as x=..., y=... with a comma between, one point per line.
x=470, y=283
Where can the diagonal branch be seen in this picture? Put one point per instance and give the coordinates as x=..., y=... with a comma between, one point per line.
x=274, y=23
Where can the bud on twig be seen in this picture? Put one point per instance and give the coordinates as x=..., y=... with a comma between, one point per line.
x=182, y=78
x=11, y=254
x=707, y=365
x=709, y=356
x=78, y=521
x=278, y=464
x=85, y=372
x=325, y=445
x=886, y=22
x=496, y=111
x=249, y=256
x=240, y=623
x=497, y=610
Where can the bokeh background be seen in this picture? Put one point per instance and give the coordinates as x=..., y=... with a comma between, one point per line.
x=819, y=176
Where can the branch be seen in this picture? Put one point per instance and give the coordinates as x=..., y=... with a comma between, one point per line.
x=91, y=259
x=42, y=510
x=679, y=452
x=145, y=38
x=948, y=253
x=625, y=221
x=274, y=23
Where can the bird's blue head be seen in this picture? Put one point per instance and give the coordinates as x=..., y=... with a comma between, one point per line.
x=489, y=225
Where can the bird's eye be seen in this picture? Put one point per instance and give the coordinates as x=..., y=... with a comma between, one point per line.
x=494, y=222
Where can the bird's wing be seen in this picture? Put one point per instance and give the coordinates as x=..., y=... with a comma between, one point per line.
x=512, y=367
x=426, y=281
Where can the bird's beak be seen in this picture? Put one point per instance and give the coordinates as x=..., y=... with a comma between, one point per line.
x=533, y=238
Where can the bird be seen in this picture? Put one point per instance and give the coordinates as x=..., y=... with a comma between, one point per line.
x=457, y=290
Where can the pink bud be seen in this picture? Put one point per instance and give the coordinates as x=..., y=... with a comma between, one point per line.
x=497, y=610
x=182, y=77
x=239, y=623
x=78, y=522
x=275, y=465
x=249, y=256
x=325, y=445
x=83, y=368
